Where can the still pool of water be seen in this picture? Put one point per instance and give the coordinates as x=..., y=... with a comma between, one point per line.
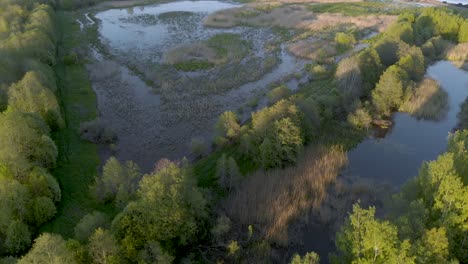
x=149, y=29
x=397, y=157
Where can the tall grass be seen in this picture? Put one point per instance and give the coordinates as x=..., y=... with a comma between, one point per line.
x=428, y=101
x=271, y=199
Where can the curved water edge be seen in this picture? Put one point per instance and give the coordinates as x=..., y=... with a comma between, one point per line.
x=397, y=157
x=392, y=160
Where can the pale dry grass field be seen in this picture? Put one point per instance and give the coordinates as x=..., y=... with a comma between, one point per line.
x=313, y=49
x=292, y=16
x=271, y=200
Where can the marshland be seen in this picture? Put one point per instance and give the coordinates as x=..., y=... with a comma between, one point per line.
x=211, y=131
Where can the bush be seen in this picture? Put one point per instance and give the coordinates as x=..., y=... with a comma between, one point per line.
x=344, y=41
x=97, y=132
x=360, y=118
x=227, y=128
x=278, y=93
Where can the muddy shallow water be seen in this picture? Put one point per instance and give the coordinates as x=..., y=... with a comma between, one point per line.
x=153, y=123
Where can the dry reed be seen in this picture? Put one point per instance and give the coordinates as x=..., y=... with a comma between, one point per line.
x=272, y=199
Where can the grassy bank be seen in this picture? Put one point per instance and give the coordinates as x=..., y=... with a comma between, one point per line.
x=78, y=160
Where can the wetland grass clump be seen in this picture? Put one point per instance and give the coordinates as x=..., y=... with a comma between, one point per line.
x=428, y=101
x=218, y=50
x=266, y=199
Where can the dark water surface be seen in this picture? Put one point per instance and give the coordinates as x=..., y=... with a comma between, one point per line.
x=397, y=157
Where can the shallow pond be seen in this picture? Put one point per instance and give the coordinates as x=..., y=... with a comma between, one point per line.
x=149, y=30
x=398, y=156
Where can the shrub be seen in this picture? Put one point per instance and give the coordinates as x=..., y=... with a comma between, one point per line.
x=278, y=93
x=344, y=41
x=227, y=128
x=360, y=118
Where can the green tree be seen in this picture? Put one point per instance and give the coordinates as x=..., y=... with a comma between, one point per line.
x=48, y=249
x=43, y=209
x=364, y=239
x=371, y=69
x=152, y=253
x=227, y=172
x=309, y=258
x=432, y=247
x=29, y=95
x=103, y=247
x=118, y=182
x=282, y=145
x=17, y=238
x=168, y=207
x=227, y=128
x=388, y=93
x=89, y=223
x=463, y=32
x=25, y=142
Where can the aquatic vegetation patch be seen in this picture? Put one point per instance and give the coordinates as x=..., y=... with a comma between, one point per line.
x=220, y=49
x=143, y=19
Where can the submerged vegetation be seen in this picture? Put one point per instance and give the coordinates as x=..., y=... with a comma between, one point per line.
x=248, y=196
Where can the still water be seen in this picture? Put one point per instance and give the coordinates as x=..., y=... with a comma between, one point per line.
x=397, y=157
